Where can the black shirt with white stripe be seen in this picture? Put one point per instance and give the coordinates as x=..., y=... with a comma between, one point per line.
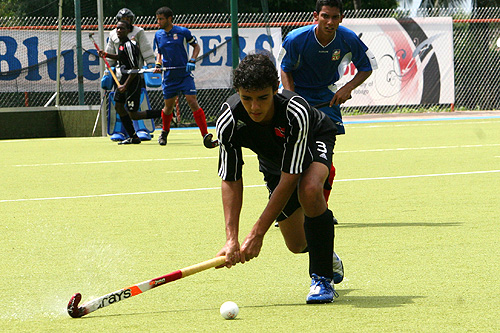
x=284, y=144
x=128, y=57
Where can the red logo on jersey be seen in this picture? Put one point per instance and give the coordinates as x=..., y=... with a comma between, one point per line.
x=336, y=55
x=176, y=37
x=121, y=48
x=279, y=131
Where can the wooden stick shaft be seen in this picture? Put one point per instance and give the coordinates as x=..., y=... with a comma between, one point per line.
x=217, y=261
x=105, y=61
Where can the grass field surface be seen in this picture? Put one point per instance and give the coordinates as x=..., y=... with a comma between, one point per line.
x=418, y=205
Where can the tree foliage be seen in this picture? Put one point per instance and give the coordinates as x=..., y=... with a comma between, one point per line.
x=50, y=8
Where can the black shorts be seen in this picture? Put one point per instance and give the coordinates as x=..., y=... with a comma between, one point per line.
x=322, y=152
x=132, y=97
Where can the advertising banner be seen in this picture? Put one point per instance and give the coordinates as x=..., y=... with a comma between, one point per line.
x=414, y=57
x=28, y=57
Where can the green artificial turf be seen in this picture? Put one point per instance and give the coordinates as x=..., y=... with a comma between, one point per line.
x=418, y=205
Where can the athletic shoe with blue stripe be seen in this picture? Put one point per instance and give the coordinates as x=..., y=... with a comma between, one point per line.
x=321, y=290
x=338, y=269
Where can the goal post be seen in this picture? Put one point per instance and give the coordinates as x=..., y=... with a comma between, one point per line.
x=59, y=37
x=234, y=33
x=100, y=19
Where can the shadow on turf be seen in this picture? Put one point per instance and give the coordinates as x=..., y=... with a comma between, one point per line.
x=374, y=301
x=356, y=301
x=344, y=299
x=397, y=224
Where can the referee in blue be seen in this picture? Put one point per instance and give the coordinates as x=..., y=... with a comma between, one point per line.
x=294, y=145
x=313, y=58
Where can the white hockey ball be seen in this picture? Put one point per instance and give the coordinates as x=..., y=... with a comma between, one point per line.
x=229, y=310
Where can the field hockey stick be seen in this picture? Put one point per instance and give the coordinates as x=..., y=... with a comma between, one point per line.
x=91, y=36
x=147, y=70
x=97, y=119
x=104, y=103
x=163, y=69
x=76, y=311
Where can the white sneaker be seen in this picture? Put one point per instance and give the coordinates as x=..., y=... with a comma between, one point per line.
x=338, y=269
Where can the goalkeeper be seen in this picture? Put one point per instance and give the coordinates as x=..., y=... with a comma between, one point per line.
x=146, y=56
x=129, y=90
x=137, y=34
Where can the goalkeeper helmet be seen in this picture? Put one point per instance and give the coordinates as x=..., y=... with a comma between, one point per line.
x=125, y=12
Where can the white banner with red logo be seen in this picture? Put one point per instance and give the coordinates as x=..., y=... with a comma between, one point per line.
x=415, y=61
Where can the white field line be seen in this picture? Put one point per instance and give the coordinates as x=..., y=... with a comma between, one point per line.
x=382, y=124
x=252, y=155
x=117, y=161
x=246, y=186
x=416, y=148
x=358, y=124
x=419, y=176
x=180, y=131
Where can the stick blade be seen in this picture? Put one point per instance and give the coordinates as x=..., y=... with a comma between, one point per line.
x=73, y=310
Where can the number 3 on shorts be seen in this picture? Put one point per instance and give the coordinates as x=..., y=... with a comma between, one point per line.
x=321, y=147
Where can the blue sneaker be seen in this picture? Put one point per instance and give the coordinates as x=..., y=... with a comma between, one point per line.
x=144, y=136
x=118, y=137
x=338, y=269
x=321, y=290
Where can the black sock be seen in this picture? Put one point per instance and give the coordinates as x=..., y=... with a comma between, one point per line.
x=153, y=114
x=320, y=233
x=129, y=126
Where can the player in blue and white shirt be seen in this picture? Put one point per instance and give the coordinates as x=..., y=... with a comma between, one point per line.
x=172, y=46
x=313, y=58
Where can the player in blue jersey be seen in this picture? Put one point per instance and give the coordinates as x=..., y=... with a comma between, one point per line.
x=172, y=45
x=313, y=58
x=294, y=145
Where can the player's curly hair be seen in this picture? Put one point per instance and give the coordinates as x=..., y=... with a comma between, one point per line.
x=330, y=3
x=255, y=72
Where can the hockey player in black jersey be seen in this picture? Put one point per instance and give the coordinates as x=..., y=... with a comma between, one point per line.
x=294, y=145
x=129, y=91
